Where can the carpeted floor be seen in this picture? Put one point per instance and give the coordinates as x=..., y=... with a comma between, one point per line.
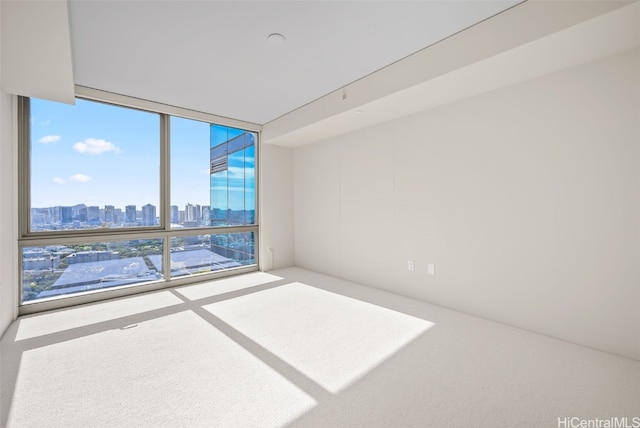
x=293, y=348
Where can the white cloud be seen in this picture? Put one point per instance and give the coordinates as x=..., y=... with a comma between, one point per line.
x=80, y=178
x=57, y=180
x=49, y=139
x=232, y=189
x=94, y=146
x=239, y=172
x=242, y=158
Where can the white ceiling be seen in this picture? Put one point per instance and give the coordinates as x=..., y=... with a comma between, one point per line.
x=340, y=57
x=543, y=37
x=213, y=56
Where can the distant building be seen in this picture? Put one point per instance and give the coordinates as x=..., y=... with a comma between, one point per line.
x=191, y=212
x=108, y=213
x=66, y=214
x=41, y=263
x=93, y=214
x=148, y=215
x=40, y=216
x=79, y=212
x=174, y=214
x=130, y=214
x=55, y=214
x=34, y=253
x=92, y=256
x=82, y=214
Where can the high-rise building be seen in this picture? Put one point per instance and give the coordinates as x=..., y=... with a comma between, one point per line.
x=174, y=214
x=40, y=215
x=148, y=215
x=108, y=213
x=77, y=210
x=130, y=214
x=93, y=214
x=191, y=212
x=55, y=214
x=66, y=214
x=229, y=147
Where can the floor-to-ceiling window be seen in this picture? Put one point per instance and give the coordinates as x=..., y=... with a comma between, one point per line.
x=114, y=197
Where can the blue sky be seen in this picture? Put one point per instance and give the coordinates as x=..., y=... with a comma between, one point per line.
x=98, y=154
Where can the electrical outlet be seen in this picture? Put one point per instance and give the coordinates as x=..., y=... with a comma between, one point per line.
x=431, y=269
x=411, y=265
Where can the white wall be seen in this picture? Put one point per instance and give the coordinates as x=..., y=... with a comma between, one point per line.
x=36, y=47
x=8, y=275
x=526, y=199
x=276, y=194
x=32, y=34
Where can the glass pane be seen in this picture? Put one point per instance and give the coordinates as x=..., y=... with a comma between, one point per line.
x=250, y=185
x=189, y=173
x=61, y=270
x=83, y=156
x=232, y=159
x=227, y=157
x=194, y=254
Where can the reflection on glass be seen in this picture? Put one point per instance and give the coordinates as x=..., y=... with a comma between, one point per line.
x=232, y=167
x=227, y=157
x=60, y=270
x=195, y=254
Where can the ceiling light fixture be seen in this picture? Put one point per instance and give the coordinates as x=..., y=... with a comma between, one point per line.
x=276, y=39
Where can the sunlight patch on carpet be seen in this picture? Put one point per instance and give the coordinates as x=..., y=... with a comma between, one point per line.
x=198, y=376
x=226, y=285
x=332, y=339
x=82, y=316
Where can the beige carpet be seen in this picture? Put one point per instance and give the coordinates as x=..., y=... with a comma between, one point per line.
x=297, y=349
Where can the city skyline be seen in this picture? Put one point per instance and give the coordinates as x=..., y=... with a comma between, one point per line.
x=83, y=216
x=114, y=205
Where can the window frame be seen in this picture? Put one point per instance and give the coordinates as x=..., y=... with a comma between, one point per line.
x=28, y=238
